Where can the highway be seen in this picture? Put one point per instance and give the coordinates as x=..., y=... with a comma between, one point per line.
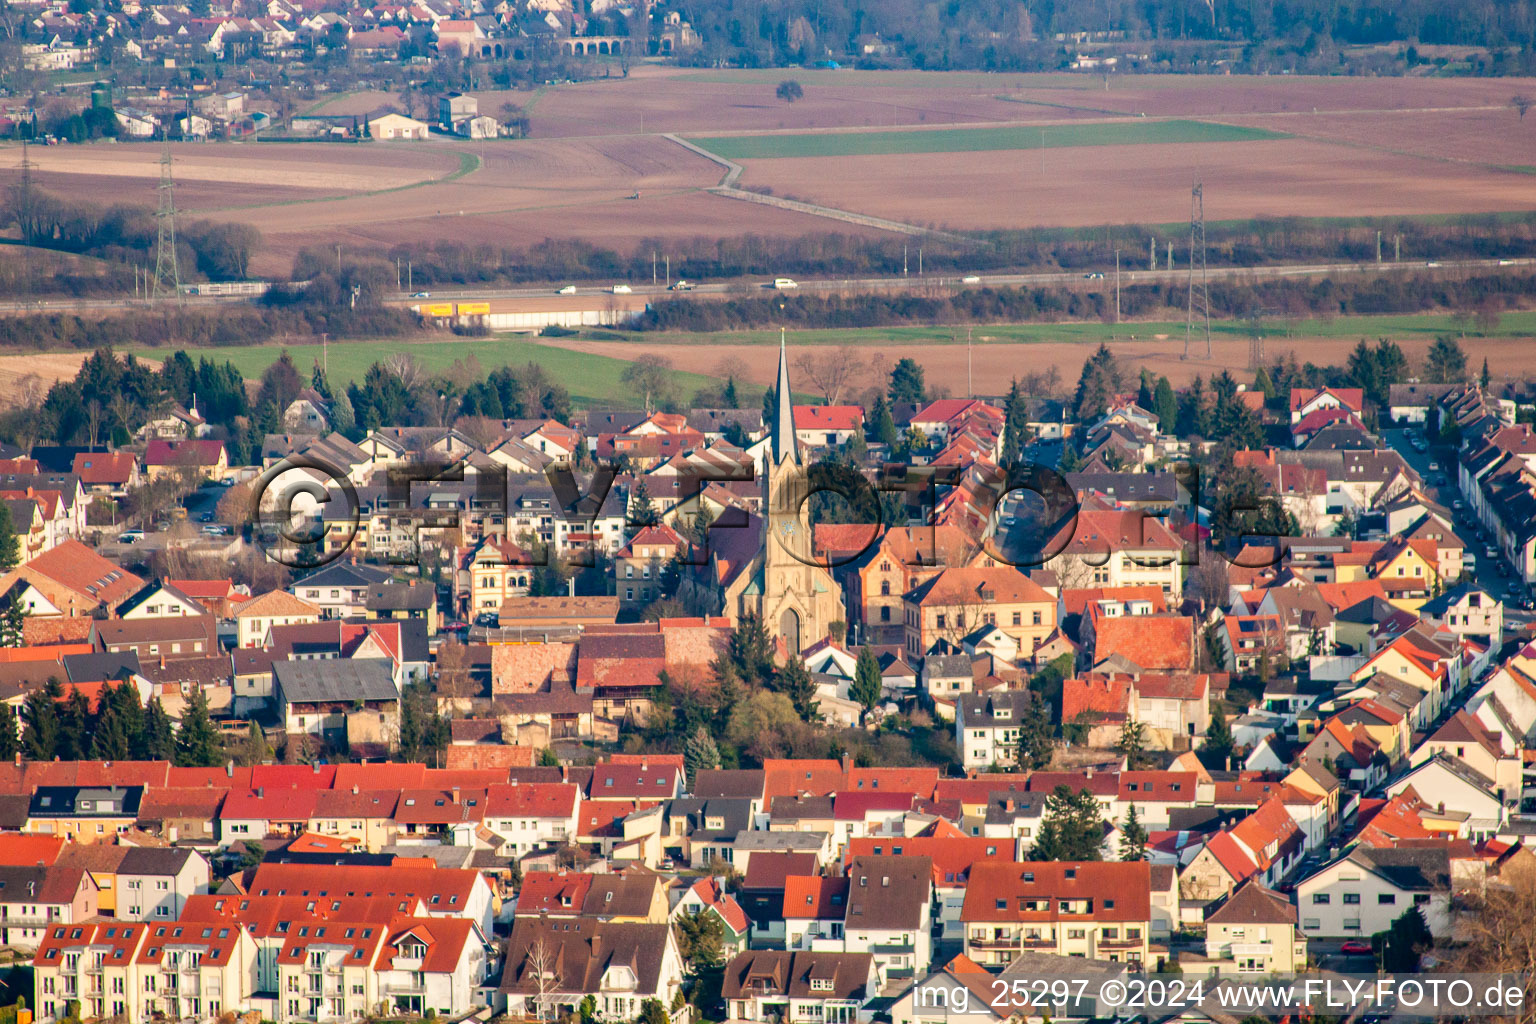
x=908, y=282
x=900, y=282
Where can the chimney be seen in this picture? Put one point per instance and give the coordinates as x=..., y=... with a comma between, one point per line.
x=354, y=789
x=229, y=768
x=261, y=791
x=455, y=794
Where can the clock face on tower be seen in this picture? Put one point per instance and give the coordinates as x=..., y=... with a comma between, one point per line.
x=787, y=527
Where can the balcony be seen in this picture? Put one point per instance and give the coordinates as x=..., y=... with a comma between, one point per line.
x=996, y=943
x=405, y=988
x=1253, y=949
x=892, y=947
x=1136, y=943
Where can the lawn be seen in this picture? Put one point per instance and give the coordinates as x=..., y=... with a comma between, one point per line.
x=1345, y=328
x=970, y=140
x=592, y=380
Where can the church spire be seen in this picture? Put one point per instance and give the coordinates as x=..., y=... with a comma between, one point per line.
x=785, y=447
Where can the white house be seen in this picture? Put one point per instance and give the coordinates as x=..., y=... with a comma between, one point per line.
x=1364, y=891
x=153, y=883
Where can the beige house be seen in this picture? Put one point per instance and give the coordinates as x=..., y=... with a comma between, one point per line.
x=389, y=127
x=257, y=616
x=957, y=602
x=1255, y=929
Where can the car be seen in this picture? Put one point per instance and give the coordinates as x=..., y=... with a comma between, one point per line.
x=1431, y=263
x=130, y=536
x=622, y=289
x=1355, y=947
x=569, y=289
x=785, y=283
x=216, y=530
x=1491, y=551
x=228, y=481
x=1095, y=276
x=456, y=626
x=1434, y=466
x=970, y=279
x=421, y=295
x=206, y=517
x=681, y=286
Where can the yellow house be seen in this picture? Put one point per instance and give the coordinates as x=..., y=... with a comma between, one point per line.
x=1407, y=662
x=1408, y=570
x=364, y=816
x=1318, y=781
x=83, y=814
x=100, y=861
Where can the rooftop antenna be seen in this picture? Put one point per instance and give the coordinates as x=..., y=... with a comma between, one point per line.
x=167, y=281
x=1199, y=280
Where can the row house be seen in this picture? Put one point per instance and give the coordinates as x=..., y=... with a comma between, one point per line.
x=1098, y=910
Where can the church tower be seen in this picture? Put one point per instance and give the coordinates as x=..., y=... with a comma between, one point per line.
x=797, y=599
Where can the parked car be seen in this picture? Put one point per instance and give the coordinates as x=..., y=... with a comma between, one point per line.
x=206, y=517
x=217, y=530
x=130, y=536
x=1356, y=947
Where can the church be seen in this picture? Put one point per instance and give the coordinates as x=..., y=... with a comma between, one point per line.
x=762, y=564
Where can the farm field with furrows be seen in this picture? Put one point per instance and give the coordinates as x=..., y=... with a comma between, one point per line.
x=598, y=167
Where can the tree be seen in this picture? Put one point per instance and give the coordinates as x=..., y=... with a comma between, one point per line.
x=1485, y=378
x=1097, y=385
x=866, y=685
x=1399, y=948
x=198, y=743
x=542, y=963
x=257, y=751
x=10, y=543
x=13, y=624
x=1132, y=745
x=1015, y=424
x=701, y=941
x=1133, y=837
x=789, y=90
x=642, y=512
x=750, y=650
x=110, y=740
x=1071, y=828
x=40, y=714
x=884, y=425
x=1521, y=102
x=1166, y=406
x=651, y=377
x=699, y=754
x=1217, y=748
x=423, y=732
x=74, y=727
x=159, y=736
x=794, y=681
x=907, y=382
x=10, y=733
x=1037, y=735
x=1446, y=363
x=653, y=1012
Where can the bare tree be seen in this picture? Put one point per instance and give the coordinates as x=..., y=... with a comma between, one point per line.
x=94, y=414
x=542, y=965
x=482, y=430
x=1211, y=579
x=453, y=675
x=1521, y=102
x=404, y=366
x=831, y=369
x=651, y=378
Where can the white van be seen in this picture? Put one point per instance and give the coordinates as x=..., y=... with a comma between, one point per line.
x=785, y=283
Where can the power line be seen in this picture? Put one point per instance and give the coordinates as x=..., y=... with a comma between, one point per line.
x=167, y=282
x=1199, y=280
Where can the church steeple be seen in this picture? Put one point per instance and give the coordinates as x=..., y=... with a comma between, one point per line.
x=785, y=448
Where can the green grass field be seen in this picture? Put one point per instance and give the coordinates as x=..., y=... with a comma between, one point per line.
x=1345, y=328
x=591, y=379
x=970, y=140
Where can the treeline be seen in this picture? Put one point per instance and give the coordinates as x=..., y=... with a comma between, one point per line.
x=197, y=328
x=127, y=233
x=1479, y=296
x=1000, y=35
x=1244, y=243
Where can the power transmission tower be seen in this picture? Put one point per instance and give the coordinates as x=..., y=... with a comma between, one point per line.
x=1199, y=281
x=26, y=219
x=167, y=283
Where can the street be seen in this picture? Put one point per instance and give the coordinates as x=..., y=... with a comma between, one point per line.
x=1494, y=575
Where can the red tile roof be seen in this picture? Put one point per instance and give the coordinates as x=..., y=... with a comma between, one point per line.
x=1149, y=641
x=815, y=897
x=1128, y=884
